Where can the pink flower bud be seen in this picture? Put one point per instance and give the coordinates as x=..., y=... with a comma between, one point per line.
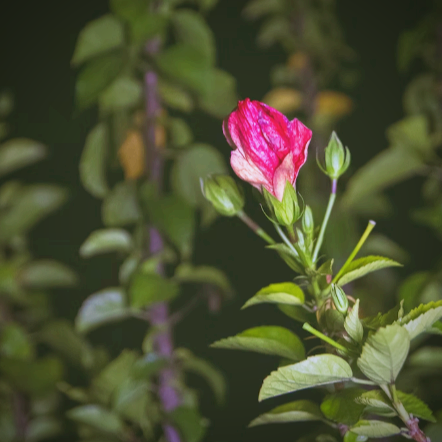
x=269, y=149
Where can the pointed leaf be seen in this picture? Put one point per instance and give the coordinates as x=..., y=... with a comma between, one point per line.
x=105, y=306
x=297, y=411
x=18, y=153
x=341, y=406
x=105, y=241
x=421, y=319
x=270, y=340
x=384, y=354
x=279, y=293
x=353, y=325
x=314, y=371
x=47, y=273
x=373, y=428
x=376, y=402
x=98, y=36
x=125, y=92
x=415, y=406
x=362, y=266
x=93, y=161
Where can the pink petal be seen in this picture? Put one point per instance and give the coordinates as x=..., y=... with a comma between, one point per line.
x=285, y=172
x=300, y=137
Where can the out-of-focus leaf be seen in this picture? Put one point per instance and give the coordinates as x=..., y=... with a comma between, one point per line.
x=18, y=153
x=96, y=76
x=387, y=168
x=374, y=428
x=93, y=161
x=150, y=288
x=411, y=134
x=314, y=371
x=33, y=203
x=206, y=370
x=47, y=273
x=378, y=244
x=191, y=29
x=120, y=206
x=34, y=377
x=15, y=343
x=341, y=406
x=195, y=163
x=147, y=366
x=362, y=266
x=429, y=357
x=384, y=354
x=175, y=96
x=176, y=219
x=7, y=426
x=6, y=103
x=105, y=241
x=190, y=424
x=43, y=428
x=353, y=325
x=270, y=340
x=203, y=274
x=184, y=64
x=131, y=398
x=220, y=97
x=105, y=306
x=258, y=8
x=420, y=96
x=273, y=30
x=409, y=45
x=279, y=293
x=98, y=36
x=412, y=288
x=128, y=9
x=179, y=132
x=124, y=92
x=420, y=319
x=97, y=417
x=298, y=411
x=147, y=25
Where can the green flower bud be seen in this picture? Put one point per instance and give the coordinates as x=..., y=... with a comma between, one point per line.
x=287, y=211
x=340, y=299
x=223, y=192
x=308, y=225
x=337, y=158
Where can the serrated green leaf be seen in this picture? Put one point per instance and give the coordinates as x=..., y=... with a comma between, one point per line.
x=362, y=266
x=376, y=402
x=297, y=411
x=96, y=76
x=415, y=406
x=120, y=206
x=18, y=153
x=381, y=320
x=150, y=288
x=384, y=354
x=270, y=340
x=196, y=162
x=190, y=424
x=191, y=29
x=314, y=371
x=279, y=293
x=93, y=161
x=205, y=275
x=341, y=406
x=97, y=417
x=353, y=325
x=125, y=92
x=374, y=428
x=31, y=204
x=105, y=306
x=97, y=37
x=47, y=273
x=105, y=241
x=420, y=319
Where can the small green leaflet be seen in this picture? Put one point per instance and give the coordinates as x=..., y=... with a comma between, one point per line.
x=374, y=428
x=270, y=340
x=279, y=293
x=314, y=371
x=297, y=411
x=420, y=319
x=353, y=325
x=97, y=417
x=18, y=153
x=384, y=354
x=362, y=266
x=105, y=241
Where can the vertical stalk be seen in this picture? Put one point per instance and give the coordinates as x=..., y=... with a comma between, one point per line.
x=159, y=314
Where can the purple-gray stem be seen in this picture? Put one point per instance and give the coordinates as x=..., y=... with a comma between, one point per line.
x=159, y=314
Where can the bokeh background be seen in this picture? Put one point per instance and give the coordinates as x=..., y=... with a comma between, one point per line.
x=37, y=42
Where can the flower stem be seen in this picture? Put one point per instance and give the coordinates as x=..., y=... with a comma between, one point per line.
x=320, y=335
x=361, y=242
x=254, y=227
x=285, y=239
x=331, y=202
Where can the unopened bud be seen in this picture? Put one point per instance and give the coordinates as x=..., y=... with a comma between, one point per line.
x=223, y=192
x=287, y=211
x=337, y=158
x=340, y=299
x=308, y=225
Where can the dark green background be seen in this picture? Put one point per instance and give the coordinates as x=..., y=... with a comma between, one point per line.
x=37, y=42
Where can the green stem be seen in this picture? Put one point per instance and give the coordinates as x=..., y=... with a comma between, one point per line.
x=253, y=226
x=361, y=242
x=331, y=202
x=285, y=239
x=320, y=335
